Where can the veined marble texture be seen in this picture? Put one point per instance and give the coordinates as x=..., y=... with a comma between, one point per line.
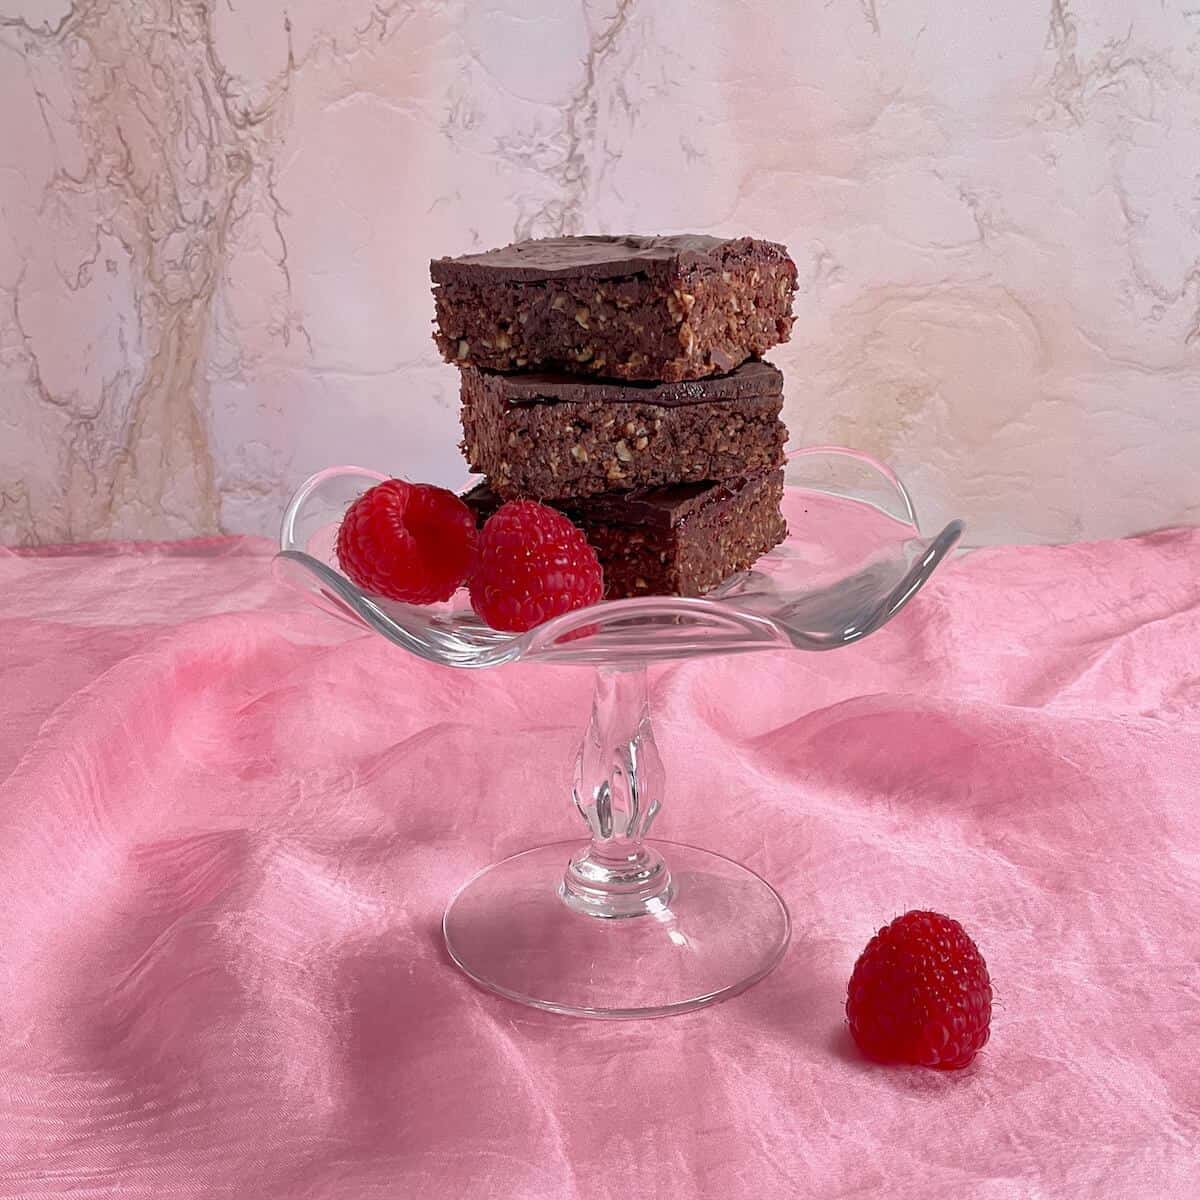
x=216, y=218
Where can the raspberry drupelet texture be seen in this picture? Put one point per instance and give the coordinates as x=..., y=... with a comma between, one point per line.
x=406, y=541
x=533, y=564
x=920, y=993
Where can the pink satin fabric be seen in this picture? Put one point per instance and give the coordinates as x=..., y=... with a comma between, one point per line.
x=230, y=825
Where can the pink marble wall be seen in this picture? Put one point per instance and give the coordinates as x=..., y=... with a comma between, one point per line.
x=216, y=217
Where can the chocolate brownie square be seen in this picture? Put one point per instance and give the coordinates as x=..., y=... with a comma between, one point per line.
x=662, y=308
x=672, y=541
x=546, y=436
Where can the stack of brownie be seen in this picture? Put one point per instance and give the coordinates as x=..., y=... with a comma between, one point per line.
x=618, y=379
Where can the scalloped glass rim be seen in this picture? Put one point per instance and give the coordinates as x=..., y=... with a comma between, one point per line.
x=864, y=559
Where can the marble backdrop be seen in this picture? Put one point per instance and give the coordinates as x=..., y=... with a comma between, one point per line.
x=216, y=218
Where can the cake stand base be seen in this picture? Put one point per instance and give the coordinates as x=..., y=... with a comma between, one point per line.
x=713, y=932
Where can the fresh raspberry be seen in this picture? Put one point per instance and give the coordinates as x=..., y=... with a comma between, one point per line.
x=533, y=565
x=407, y=541
x=920, y=994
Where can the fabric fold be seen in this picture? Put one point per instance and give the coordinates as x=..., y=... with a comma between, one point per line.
x=230, y=826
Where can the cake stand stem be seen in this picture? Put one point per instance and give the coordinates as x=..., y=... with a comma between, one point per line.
x=573, y=942
x=618, y=790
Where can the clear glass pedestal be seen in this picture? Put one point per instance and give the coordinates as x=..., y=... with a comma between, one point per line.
x=621, y=925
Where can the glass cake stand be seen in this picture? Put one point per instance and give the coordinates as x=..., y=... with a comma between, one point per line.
x=621, y=925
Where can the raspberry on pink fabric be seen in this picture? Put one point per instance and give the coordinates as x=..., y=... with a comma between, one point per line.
x=920, y=994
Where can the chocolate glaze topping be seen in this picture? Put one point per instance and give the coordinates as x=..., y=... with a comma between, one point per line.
x=596, y=257
x=651, y=508
x=753, y=379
